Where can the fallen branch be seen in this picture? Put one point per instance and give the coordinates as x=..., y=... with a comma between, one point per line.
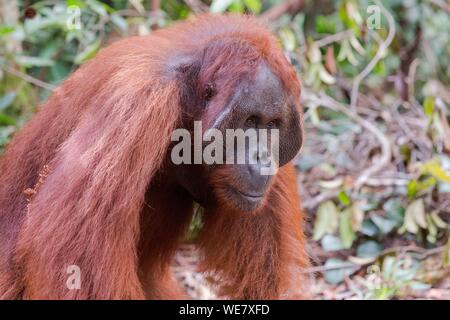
x=28, y=78
x=323, y=196
x=326, y=101
x=290, y=6
x=325, y=41
x=197, y=6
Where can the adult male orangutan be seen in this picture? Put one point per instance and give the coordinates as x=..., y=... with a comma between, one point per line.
x=89, y=181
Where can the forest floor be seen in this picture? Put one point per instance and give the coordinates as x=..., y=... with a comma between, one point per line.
x=197, y=286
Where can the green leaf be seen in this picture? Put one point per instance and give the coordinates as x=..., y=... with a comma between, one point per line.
x=415, y=216
x=428, y=106
x=4, y=30
x=356, y=45
x=419, y=213
x=314, y=55
x=394, y=210
x=370, y=205
x=59, y=71
x=236, y=6
x=368, y=228
x=368, y=249
x=325, y=76
x=325, y=24
x=415, y=186
x=78, y=3
x=389, y=266
x=88, y=52
x=253, y=5
x=446, y=255
x=361, y=260
x=331, y=243
x=344, y=269
x=344, y=198
x=6, y=100
x=100, y=8
x=120, y=22
x=432, y=230
x=27, y=61
x=380, y=68
x=6, y=120
x=346, y=53
x=357, y=216
x=438, y=221
x=412, y=188
x=385, y=225
x=326, y=220
x=434, y=169
x=331, y=184
x=346, y=232
x=219, y=6
x=288, y=39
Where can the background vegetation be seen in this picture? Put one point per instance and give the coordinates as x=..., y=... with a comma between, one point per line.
x=375, y=170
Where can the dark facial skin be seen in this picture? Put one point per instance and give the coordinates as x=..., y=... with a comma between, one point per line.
x=258, y=103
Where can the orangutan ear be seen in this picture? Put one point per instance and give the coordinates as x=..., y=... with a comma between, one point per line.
x=185, y=71
x=291, y=135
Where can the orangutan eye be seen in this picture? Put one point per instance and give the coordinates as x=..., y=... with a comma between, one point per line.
x=272, y=124
x=250, y=122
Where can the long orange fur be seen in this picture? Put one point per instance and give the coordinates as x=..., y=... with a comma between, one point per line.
x=82, y=183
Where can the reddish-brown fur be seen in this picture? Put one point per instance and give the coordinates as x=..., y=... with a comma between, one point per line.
x=101, y=203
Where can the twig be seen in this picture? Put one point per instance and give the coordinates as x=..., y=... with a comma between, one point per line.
x=28, y=78
x=197, y=6
x=378, y=56
x=138, y=6
x=132, y=13
x=290, y=6
x=384, y=182
x=441, y=4
x=326, y=101
x=330, y=268
x=325, y=41
x=443, y=206
x=323, y=196
x=155, y=6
